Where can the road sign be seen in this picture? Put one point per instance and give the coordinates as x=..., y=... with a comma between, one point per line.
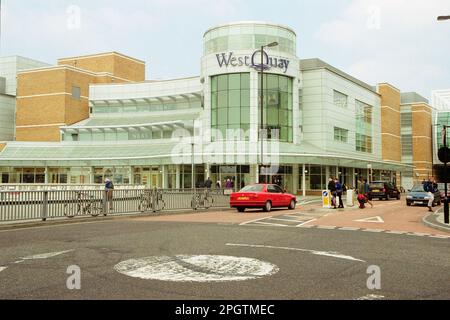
x=444, y=154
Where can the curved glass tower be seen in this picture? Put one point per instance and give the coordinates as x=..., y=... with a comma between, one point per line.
x=231, y=77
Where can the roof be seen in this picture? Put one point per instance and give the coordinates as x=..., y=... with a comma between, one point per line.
x=249, y=23
x=413, y=97
x=100, y=55
x=315, y=63
x=136, y=119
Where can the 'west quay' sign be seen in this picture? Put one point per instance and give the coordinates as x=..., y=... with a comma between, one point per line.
x=253, y=61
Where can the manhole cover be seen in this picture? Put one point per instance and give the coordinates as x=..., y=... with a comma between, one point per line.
x=202, y=268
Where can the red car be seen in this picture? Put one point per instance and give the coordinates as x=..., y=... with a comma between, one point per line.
x=265, y=196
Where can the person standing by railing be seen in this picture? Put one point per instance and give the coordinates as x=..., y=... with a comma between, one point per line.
x=109, y=187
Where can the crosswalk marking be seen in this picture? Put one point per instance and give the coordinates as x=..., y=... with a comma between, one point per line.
x=290, y=220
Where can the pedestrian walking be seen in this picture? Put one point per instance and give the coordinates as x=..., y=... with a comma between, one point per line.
x=430, y=188
x=218, y=184
x=109, y=188
x=208, y=183
x=339, y=193
x=366, y=193
x=332, y=189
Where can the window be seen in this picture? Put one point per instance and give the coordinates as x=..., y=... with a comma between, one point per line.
x=363, y=112
x=407, y=145
x=406, y=120
x=363, y=143
x=340, y=99
x=340, y=134
x=278, y=106
x=76, y=93
x=230, y=106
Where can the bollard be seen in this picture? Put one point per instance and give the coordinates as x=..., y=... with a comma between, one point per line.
x=45, y=207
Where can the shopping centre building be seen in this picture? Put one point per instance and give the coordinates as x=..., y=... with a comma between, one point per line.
x=92, y=117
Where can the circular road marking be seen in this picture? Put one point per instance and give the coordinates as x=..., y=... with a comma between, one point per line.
x=198, y=268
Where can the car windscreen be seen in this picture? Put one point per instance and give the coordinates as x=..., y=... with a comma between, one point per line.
x=254, y=188
x=418, y=188
x=377, y=185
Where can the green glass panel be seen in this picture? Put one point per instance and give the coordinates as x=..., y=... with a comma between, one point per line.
x=272, y=116
x=283, y=82
x=284, y=134
x=222, y=116
x=245, y=98
x=272, y=82
x=222, y=101
x=234, y=81
x=234, y=116
x=214, y=117
x=245, y=115
x=213, y=84
x=284, y=117
x=214, y=97
x=290, y=84
x=234, y=97
x=245, y=80
x=222, y=83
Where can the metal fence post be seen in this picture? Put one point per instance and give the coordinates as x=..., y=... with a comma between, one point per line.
x=105, y=202
x=45, y=206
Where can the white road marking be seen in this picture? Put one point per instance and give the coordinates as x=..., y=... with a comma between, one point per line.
x=201, y=268
x=3, y=268
x=421, y=234
x=439, y=236
x=286, y=220
x=349, y=229
x=376, y=219
x=327, y=227
x=371, y=297
x=374, y=230
x=46, y=255
x=270, y=224
x=315, y=252
x=247, y=222
x=306, y=222
x=396, y=232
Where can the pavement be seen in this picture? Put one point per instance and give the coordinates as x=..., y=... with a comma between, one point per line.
x=436, y=220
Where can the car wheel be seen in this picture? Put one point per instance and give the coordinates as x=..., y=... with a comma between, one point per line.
x=408, y=204
x=241, y=209
x=268, y=206
x=292, y=205
x=388, y=197
x=398, y=196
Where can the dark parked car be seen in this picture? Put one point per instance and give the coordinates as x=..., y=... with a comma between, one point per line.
x=383, y=190
x=417, y=195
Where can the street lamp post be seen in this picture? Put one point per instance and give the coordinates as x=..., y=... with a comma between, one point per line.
x=273, y=44
x=444, y=136
x=193, y=167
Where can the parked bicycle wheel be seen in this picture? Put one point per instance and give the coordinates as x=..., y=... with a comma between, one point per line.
x=143, y=205
x=70, y=211
x=95, y=209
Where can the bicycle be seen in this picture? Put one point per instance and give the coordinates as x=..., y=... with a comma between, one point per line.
x=151, y=202
x=204, y=200
x=85, y=204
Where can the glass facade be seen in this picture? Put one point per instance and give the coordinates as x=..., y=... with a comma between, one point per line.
x=278, y=106
x=443, y=118
x=249, y=37
x=230, y=105
x=364, y=117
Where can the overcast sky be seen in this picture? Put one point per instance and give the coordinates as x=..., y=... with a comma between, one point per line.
x=396, y=41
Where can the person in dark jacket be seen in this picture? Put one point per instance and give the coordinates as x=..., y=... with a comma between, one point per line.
x=332, y=189
x=208, y=183
x=109, y=187
x=339, y=193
